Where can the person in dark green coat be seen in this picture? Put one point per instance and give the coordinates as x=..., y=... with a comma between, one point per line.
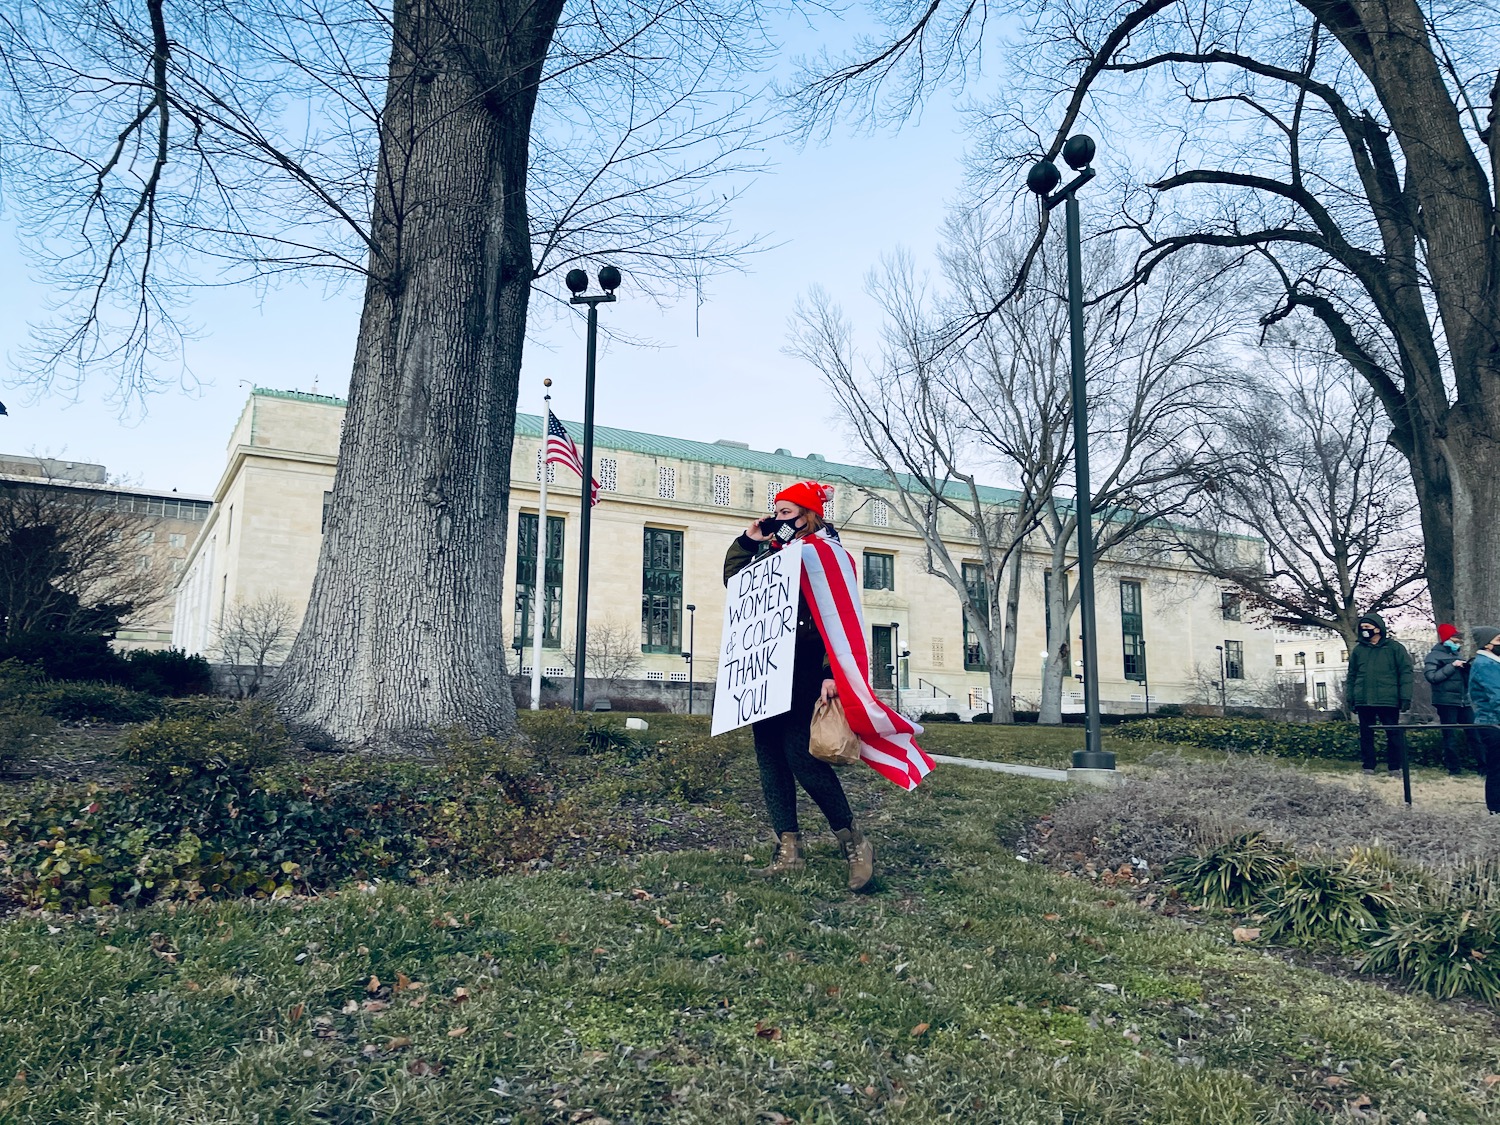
x=1378, y=688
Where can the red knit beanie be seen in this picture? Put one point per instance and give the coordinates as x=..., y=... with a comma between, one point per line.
x=807, y=494
x=1446, y=632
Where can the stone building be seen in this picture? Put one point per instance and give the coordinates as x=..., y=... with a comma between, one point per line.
x=669, y=508
x=160, y=528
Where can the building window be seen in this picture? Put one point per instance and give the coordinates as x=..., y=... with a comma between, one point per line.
x=1320, y=695
x=177, y=565
x=721, y=490
x=880, y=571
x=666, y=482
x=1132, y=631
x=661, y=591
x=979, y=593
x=526, y=528
x=1234, y=660
x=143, y=562
x=1278, y=660
x=551, y=469
x=772, y=488
x=1231, y=605
x=880, y=513
x=1343, y=656
x=609, y=474
x=177, y=541
x=1320, y=658
x=145, y=538
x=327, y=507
x=1301, y=658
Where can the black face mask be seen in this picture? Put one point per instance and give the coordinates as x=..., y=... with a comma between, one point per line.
x=1366, y=634
x=783, y=531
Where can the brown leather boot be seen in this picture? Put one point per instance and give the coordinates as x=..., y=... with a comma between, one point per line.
x=861, y=856
x=788, y=856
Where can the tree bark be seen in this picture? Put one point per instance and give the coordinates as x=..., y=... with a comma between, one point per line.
x=1003, y=650
x=403, y=632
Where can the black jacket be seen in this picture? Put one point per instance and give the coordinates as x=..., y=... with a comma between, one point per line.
x=1450, y=684
x=811, y=655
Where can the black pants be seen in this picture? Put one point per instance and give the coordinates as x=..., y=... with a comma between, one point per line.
x=1452, y=752
x=1395, y=740
x=781, y=749
x=1489, y=738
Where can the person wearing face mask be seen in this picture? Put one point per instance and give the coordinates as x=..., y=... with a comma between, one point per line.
x=1378, y=687
x=1448, y=674
x=781, y=742
x=1484, y=691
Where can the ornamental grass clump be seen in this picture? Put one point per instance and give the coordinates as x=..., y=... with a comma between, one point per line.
x=174, y=751
x=1446, y=939
x=1234, y=876
x=1321, y=901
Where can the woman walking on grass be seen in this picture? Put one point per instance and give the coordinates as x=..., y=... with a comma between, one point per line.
x=830, y=662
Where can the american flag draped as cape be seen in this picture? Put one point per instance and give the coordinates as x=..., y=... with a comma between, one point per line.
x=887, y=739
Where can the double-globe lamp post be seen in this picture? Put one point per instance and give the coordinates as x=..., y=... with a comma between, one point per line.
x=1043, y=179
x=577, y=282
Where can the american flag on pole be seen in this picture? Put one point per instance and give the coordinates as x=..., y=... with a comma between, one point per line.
x=560, y=449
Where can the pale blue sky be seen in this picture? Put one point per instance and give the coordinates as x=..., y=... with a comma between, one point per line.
x=831, y=209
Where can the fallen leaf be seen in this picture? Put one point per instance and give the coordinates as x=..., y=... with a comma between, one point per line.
x=640, y=895
x=294, y=1013
x=1246, y=933
x=832, y=990
x=594, y=1056
x=1489, y=1080
x=403, y=982
x=398, y=1043
x=1051, y=917
x=660, y=921
x=350, y=1008
x=374, y=985
x=920, y=1029
x=599, y=951
x=460, y=995
x=20, y=1078
x=1334, y=1081
x=763, y=1031
x=865, y=958
x=375, y=1005
x=457, y=1032
x=193, y=986
x=421, y=1068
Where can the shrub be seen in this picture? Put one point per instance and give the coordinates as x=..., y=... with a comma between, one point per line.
x=467, y=758
x=1235, y=875
x=938, y=717
x=249, y=737
x=603, y=738
x=641, y=704
x=1342, y=903
x=983, y=717
x=22, y=726
x=556, y=733
x=67, y=656
x=1169, y=710
x=1332, y=740
x=692, y=768
x=170, y=672
x=75, y=701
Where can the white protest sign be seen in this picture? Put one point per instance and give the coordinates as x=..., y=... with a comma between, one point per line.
x=759, y=641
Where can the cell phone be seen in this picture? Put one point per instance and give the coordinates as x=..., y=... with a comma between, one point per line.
x=777, y=529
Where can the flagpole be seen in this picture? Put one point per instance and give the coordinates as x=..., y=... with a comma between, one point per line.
x=539, y=587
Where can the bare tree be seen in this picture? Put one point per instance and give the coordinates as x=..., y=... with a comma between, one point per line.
x=1307, y=470
x=1348, y=150
x=253, y=638
x=68, y=562
x=614, y=652
x=934, y=416
x=443, y=154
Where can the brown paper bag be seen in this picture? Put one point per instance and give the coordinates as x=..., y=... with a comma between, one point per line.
x=832, y=741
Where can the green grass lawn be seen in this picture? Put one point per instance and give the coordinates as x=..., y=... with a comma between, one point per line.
x=679, y=988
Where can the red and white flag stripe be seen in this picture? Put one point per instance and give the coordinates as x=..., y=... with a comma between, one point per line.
x=887, y=739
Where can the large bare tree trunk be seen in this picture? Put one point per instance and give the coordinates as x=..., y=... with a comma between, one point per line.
x=1003, y=650
x=403, y=633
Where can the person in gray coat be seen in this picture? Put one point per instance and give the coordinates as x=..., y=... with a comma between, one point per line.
x=1448, y=673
